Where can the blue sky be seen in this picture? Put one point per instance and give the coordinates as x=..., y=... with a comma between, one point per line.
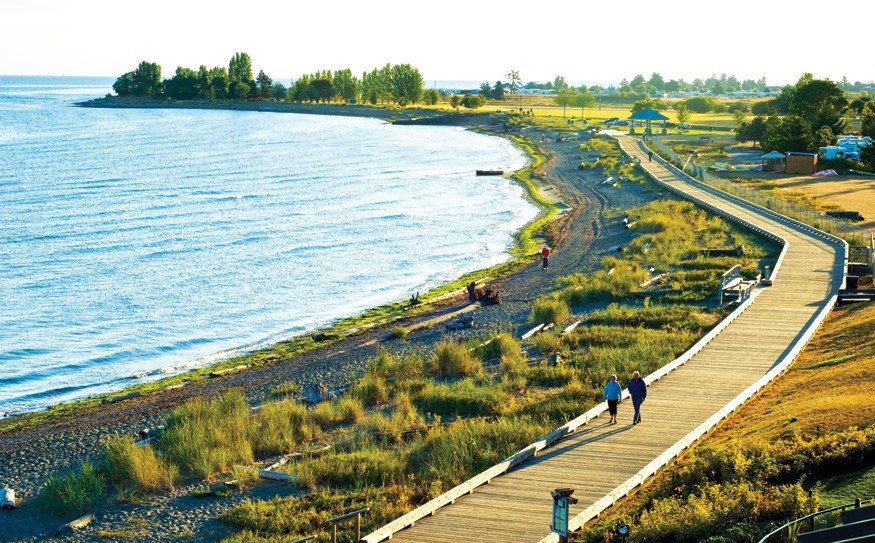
x=592, y=42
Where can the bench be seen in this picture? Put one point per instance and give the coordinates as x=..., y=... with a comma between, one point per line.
x=734, y=289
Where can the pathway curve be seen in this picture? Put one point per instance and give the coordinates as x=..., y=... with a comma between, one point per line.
x=598, y=460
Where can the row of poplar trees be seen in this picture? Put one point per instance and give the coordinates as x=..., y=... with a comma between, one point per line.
x=401, y=84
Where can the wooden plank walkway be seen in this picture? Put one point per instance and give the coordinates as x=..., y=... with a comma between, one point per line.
x=600, y=457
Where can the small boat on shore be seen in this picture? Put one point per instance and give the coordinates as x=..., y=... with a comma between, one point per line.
x=490, y=172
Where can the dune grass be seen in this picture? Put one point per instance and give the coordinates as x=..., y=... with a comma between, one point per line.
x=73, y=492
x=454, y=359
x=136, y=470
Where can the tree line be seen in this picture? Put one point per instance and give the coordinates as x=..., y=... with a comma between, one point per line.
x=401, y=84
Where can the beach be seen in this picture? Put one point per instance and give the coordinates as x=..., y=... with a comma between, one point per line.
x=581, y=238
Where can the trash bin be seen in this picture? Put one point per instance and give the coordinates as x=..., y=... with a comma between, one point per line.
x=852, y=282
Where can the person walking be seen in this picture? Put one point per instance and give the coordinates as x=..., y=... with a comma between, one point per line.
x=613, y=393
x=638, y=391
x=649, y=156
x=545, y=255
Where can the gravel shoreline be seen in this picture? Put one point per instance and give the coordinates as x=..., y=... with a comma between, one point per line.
x=32, y=454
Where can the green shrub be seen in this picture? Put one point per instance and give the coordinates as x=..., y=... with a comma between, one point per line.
x=206, y=437
x=454, y=359
x=136, y=469
x=399, y=332
x=72, y=493
x=350, y=410
x=548, y=309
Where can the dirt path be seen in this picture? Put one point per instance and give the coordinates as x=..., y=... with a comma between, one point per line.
x=30, y=455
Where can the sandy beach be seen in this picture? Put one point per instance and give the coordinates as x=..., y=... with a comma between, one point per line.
x=581, y=238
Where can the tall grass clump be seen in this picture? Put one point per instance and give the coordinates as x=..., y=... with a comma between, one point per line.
x=206, y=437
x=73, y=492
x=136, y=470
x=549, y=309
x=617, y=281
x=509, y=351
x=451, y=454
x=454, y=359
x=370, y=389
x=463, y=399
x=370, y=466
x=281, y=426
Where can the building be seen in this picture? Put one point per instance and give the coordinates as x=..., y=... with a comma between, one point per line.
x=801, y=163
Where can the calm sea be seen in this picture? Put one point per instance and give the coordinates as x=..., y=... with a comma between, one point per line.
x=139, y=243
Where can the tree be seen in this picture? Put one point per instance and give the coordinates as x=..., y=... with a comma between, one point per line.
x=498, y=91
x=184, y=85
x=858, y=104
x=264, y=84
x=763, y=107
x=790, y=133
x=515, y=81
x=238, y=90
x=485, y=90
x=144, y=80
x=346, y=85
x=823, y=137
x=637, y=81
x=323, y=89
x=431, y=97
x=820, y=102
x=583, y=99
x=641, y=105
x=240, y=68
x=682, y=112
x=867, y=124
x=657, y=81
x=473, y=101
x=559, y=83
x=406, y=83
x=565, y=98
x=739, y=117
x=279, y=91
x=455, y=101
x=751, y=131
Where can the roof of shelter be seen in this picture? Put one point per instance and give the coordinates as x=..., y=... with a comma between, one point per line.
x=773, y=155
x=648, y=115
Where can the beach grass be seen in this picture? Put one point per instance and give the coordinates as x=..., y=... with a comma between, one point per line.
x=73, y=492
x=454, y=359
x=137, y=470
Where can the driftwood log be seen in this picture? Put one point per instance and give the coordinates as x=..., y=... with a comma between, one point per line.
x=75, y=525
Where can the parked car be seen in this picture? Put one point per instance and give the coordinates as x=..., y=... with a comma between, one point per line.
x=621, y=123
x=612, y=120
x=685, y=126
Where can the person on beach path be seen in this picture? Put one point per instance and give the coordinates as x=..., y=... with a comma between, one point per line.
x=613, y=394
x=545, y=255
x=649, y=156
x=638, y=391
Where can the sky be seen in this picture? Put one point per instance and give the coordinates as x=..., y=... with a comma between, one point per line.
x=585, y=41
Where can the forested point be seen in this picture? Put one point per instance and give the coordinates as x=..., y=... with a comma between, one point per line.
x=401, y=84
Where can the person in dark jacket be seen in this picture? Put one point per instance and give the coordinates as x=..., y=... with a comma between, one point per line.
x=638, y=391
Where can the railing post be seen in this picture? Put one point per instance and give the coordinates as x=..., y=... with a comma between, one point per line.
x=334, y=533
x=358, y=527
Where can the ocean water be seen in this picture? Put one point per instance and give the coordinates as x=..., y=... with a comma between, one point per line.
x=139, y=243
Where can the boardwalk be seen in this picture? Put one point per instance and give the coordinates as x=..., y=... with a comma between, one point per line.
x=599, y=457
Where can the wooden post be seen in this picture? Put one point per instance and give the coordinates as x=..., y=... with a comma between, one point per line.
x=358, y=527
x=334, y=533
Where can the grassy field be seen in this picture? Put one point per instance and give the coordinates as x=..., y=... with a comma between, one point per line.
x=807, y=441
x=841, y=192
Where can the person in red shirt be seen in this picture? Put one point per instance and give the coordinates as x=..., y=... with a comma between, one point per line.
x=545, y=255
